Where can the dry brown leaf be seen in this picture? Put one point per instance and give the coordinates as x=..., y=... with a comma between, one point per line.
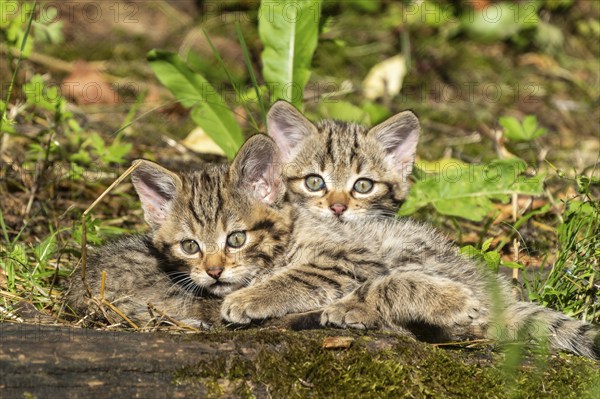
x=85, y=85
x=479, y=4
x=385, y=78
x=199, y=141
x=337, y=342
x=524, y=204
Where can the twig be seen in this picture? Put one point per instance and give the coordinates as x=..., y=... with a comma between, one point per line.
x=84, y=219
x=178, y=323
x=102, y=285
x=515, y=271
x=10, y=315
x=463, y=343
x=69, y=67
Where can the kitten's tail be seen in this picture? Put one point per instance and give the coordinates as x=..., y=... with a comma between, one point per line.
x=562, y=331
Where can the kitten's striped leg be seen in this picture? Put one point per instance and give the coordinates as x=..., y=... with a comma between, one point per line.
x=405, y=297
x=294, y=290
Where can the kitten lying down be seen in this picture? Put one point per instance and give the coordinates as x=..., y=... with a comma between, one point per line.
x=213, y=231
x=229, y=231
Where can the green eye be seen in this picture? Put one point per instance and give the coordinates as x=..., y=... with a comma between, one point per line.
x=363, y=186
x=190, y=247
x=314, y=183
x=236, y=239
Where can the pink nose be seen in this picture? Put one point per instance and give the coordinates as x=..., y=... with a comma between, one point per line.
x=338, y=209
x=214, y=272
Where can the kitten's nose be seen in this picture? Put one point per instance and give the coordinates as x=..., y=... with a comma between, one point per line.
x=338, y=209
x=214, y=272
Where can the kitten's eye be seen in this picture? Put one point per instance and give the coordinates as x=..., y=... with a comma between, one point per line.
x=237, y=239
x=363, y=186
x=314, y=183
x=190, y=247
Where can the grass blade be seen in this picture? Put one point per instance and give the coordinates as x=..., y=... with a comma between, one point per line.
x=208, y=109
x=261, y=105
x=237, y=92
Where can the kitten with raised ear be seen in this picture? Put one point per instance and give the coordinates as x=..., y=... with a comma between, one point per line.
x=367, y=271
x=213, y=231
x=343, y=170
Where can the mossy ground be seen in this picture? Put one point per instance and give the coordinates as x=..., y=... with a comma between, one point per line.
x=283, y=364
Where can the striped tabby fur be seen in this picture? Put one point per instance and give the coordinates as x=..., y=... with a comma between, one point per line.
x=366, y=270
x=205, y=206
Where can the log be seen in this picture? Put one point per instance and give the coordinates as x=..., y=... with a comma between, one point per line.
x=44, y=361
x=57, y=361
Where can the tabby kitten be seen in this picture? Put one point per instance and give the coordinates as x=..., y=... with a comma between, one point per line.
x=214, y=230
x=374, y=272
x=341, y=170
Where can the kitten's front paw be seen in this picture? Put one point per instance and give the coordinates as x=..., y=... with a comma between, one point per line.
x=353, y=315
x=243, y=306
x=470, y=313
x=466, y=314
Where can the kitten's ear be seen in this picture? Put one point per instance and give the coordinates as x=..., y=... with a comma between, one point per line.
x=288, y=127
x=156, y=187
x=399, y=136
x=257, y=169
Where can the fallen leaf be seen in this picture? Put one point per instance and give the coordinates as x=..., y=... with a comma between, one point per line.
x=337, y=342
x=199, y=141
x=480, y=4
x=385, y=78
x=86, y=85
x=524, y=204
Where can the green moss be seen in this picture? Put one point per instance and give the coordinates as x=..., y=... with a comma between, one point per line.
x=294, y=365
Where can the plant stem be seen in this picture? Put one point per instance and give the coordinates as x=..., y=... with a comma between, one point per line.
x=14, y=76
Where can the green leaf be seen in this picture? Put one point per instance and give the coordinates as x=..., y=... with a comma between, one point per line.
x=344, y=111
x=208, y=109
x=471, y=252
x=368, y=6
x=427, y=13
x=250, y=67
x=512, y=265
x=492, y=259
x=289, y=32
x=377, y=112
x=512, y=127
x=116, y=152
x=19, y=255
x=526, y=131
x=467, y=191
x=46, y=249
x=486, y=244
x=500, y=21
x=40, y=95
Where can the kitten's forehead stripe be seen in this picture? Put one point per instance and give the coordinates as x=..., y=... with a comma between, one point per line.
x=329, y=141
x=263, y=225
x=193, y=203
x=343, y=142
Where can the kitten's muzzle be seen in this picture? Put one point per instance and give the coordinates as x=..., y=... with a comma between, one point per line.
x=214, y=272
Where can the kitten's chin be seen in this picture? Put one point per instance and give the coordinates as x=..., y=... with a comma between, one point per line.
x=221, y=289
x=329, y=216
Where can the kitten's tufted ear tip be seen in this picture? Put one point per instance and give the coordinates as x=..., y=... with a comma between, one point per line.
x=409, y=119
x=404, y=125
x=281, y=106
